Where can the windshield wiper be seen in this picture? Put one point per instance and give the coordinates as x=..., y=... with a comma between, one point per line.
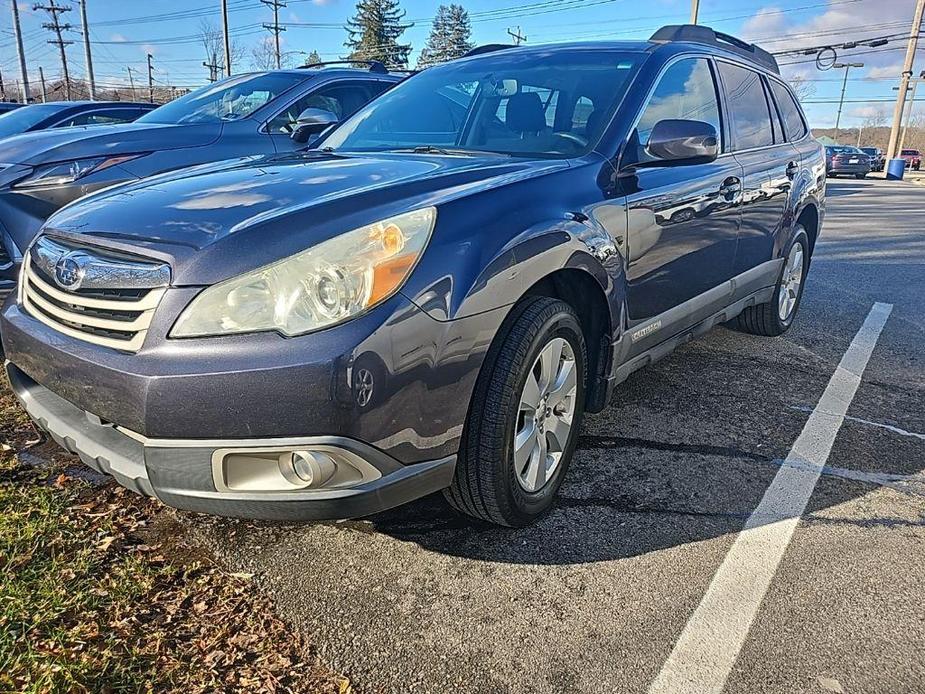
x=448, y=151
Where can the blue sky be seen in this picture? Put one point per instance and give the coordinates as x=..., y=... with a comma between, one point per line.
x=124, y=31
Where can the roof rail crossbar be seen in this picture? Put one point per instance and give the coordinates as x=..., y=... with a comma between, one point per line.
x=488, y=48
x=697, y=33
x=374, y=65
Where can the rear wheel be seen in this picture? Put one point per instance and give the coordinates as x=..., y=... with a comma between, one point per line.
x=523, y=422
x=774, y=317
x=860, y=175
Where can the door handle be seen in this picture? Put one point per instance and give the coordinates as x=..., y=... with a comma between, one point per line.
x=731, y=187
x=792, y=170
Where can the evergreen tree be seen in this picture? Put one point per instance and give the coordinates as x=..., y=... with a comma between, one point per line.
x=312, y=58
x=449, y=37
x=374, y=31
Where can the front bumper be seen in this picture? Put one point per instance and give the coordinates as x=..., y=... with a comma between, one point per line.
x=180, y=473
x=263, y=386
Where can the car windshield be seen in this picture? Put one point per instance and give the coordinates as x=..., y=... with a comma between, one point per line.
x=21, y=119
x=911, y=152
x=542, y=104
x=230, y=99
x=868, y=150
x=844, y=150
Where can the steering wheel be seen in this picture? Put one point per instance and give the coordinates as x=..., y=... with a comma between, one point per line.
x=572, y=137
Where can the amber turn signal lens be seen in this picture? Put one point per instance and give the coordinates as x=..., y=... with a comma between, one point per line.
x=388, y=276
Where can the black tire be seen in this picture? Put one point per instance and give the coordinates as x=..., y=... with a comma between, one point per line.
x=764, y=319
x=485, y=484
x=860, y=175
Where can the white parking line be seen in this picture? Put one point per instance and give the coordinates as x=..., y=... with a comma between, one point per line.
x=708, y=647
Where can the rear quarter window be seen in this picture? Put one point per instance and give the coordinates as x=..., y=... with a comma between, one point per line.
x=794, y=125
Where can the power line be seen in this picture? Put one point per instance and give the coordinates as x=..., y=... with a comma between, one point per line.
x=87, y=56
x=150, y=79
x=55, y=25
x=24, y=77
x=517, y=36
x=275, y=28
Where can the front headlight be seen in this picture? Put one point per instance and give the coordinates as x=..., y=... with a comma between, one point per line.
x=66, y=172
x=322, y=286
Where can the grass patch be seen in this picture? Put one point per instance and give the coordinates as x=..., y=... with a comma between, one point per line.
x=96, y=595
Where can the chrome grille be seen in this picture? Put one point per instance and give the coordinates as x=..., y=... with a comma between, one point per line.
x=112, y=305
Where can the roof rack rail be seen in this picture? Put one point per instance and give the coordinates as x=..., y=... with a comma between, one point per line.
x=696, y=33
x=488, y=48
x=374, y=65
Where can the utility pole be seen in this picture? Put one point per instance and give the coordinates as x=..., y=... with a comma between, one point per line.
x=275, y=27
x=87, y=57
x=841, y=101
x=55, y=25
x=517, y=36
x=131, y=81
x=902, y=138
x=860, y=130
x=227, y=38
x=42, y=80
x=213, y=67
x=150, y=79
x=695, y=10
x=892, y=150
x=24, y=77
x=2, y=89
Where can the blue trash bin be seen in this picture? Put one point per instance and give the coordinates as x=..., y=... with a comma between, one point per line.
x=895, y=169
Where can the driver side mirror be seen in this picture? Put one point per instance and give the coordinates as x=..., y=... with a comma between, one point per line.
x=312, y=121
x=680, y=142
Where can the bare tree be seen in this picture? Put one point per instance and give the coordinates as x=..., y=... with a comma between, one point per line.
x=875, y=119
x=213, y=44
x=263, y=55
x=803, y=88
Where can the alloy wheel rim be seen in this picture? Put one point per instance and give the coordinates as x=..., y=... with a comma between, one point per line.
x=791, y=282
x=364, y=379
x=546, y=411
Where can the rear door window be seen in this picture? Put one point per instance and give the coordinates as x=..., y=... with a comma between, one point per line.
x=794, y=125
x=748, y=106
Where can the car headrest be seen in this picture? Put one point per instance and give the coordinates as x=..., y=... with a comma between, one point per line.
x=525, y=113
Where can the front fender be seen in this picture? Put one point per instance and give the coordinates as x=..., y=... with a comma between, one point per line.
x=529, y=257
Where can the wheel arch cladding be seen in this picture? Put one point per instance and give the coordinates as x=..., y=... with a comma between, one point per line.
x=580, y=290
x=809, y=220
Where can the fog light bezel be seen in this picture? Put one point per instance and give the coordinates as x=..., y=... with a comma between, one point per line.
x=350, y=469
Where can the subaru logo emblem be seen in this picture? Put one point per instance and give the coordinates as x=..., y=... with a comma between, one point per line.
x=69, y=272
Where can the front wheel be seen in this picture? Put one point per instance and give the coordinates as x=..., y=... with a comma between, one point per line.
x=523, y=421
x=775, y=317
x=860, y=175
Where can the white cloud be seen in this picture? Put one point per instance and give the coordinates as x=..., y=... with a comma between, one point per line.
x=868, y=111
x=886, y=71
x=119, y=38
x=768, y=21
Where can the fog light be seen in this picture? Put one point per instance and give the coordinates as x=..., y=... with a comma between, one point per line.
x=307, y=468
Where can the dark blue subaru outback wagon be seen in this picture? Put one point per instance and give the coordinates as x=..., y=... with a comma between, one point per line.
x=432, y=297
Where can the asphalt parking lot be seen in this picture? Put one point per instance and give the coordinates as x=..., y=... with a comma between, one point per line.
x=597, y=596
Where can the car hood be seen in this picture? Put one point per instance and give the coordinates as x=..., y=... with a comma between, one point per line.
x=215, y=221
x=64, y=144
